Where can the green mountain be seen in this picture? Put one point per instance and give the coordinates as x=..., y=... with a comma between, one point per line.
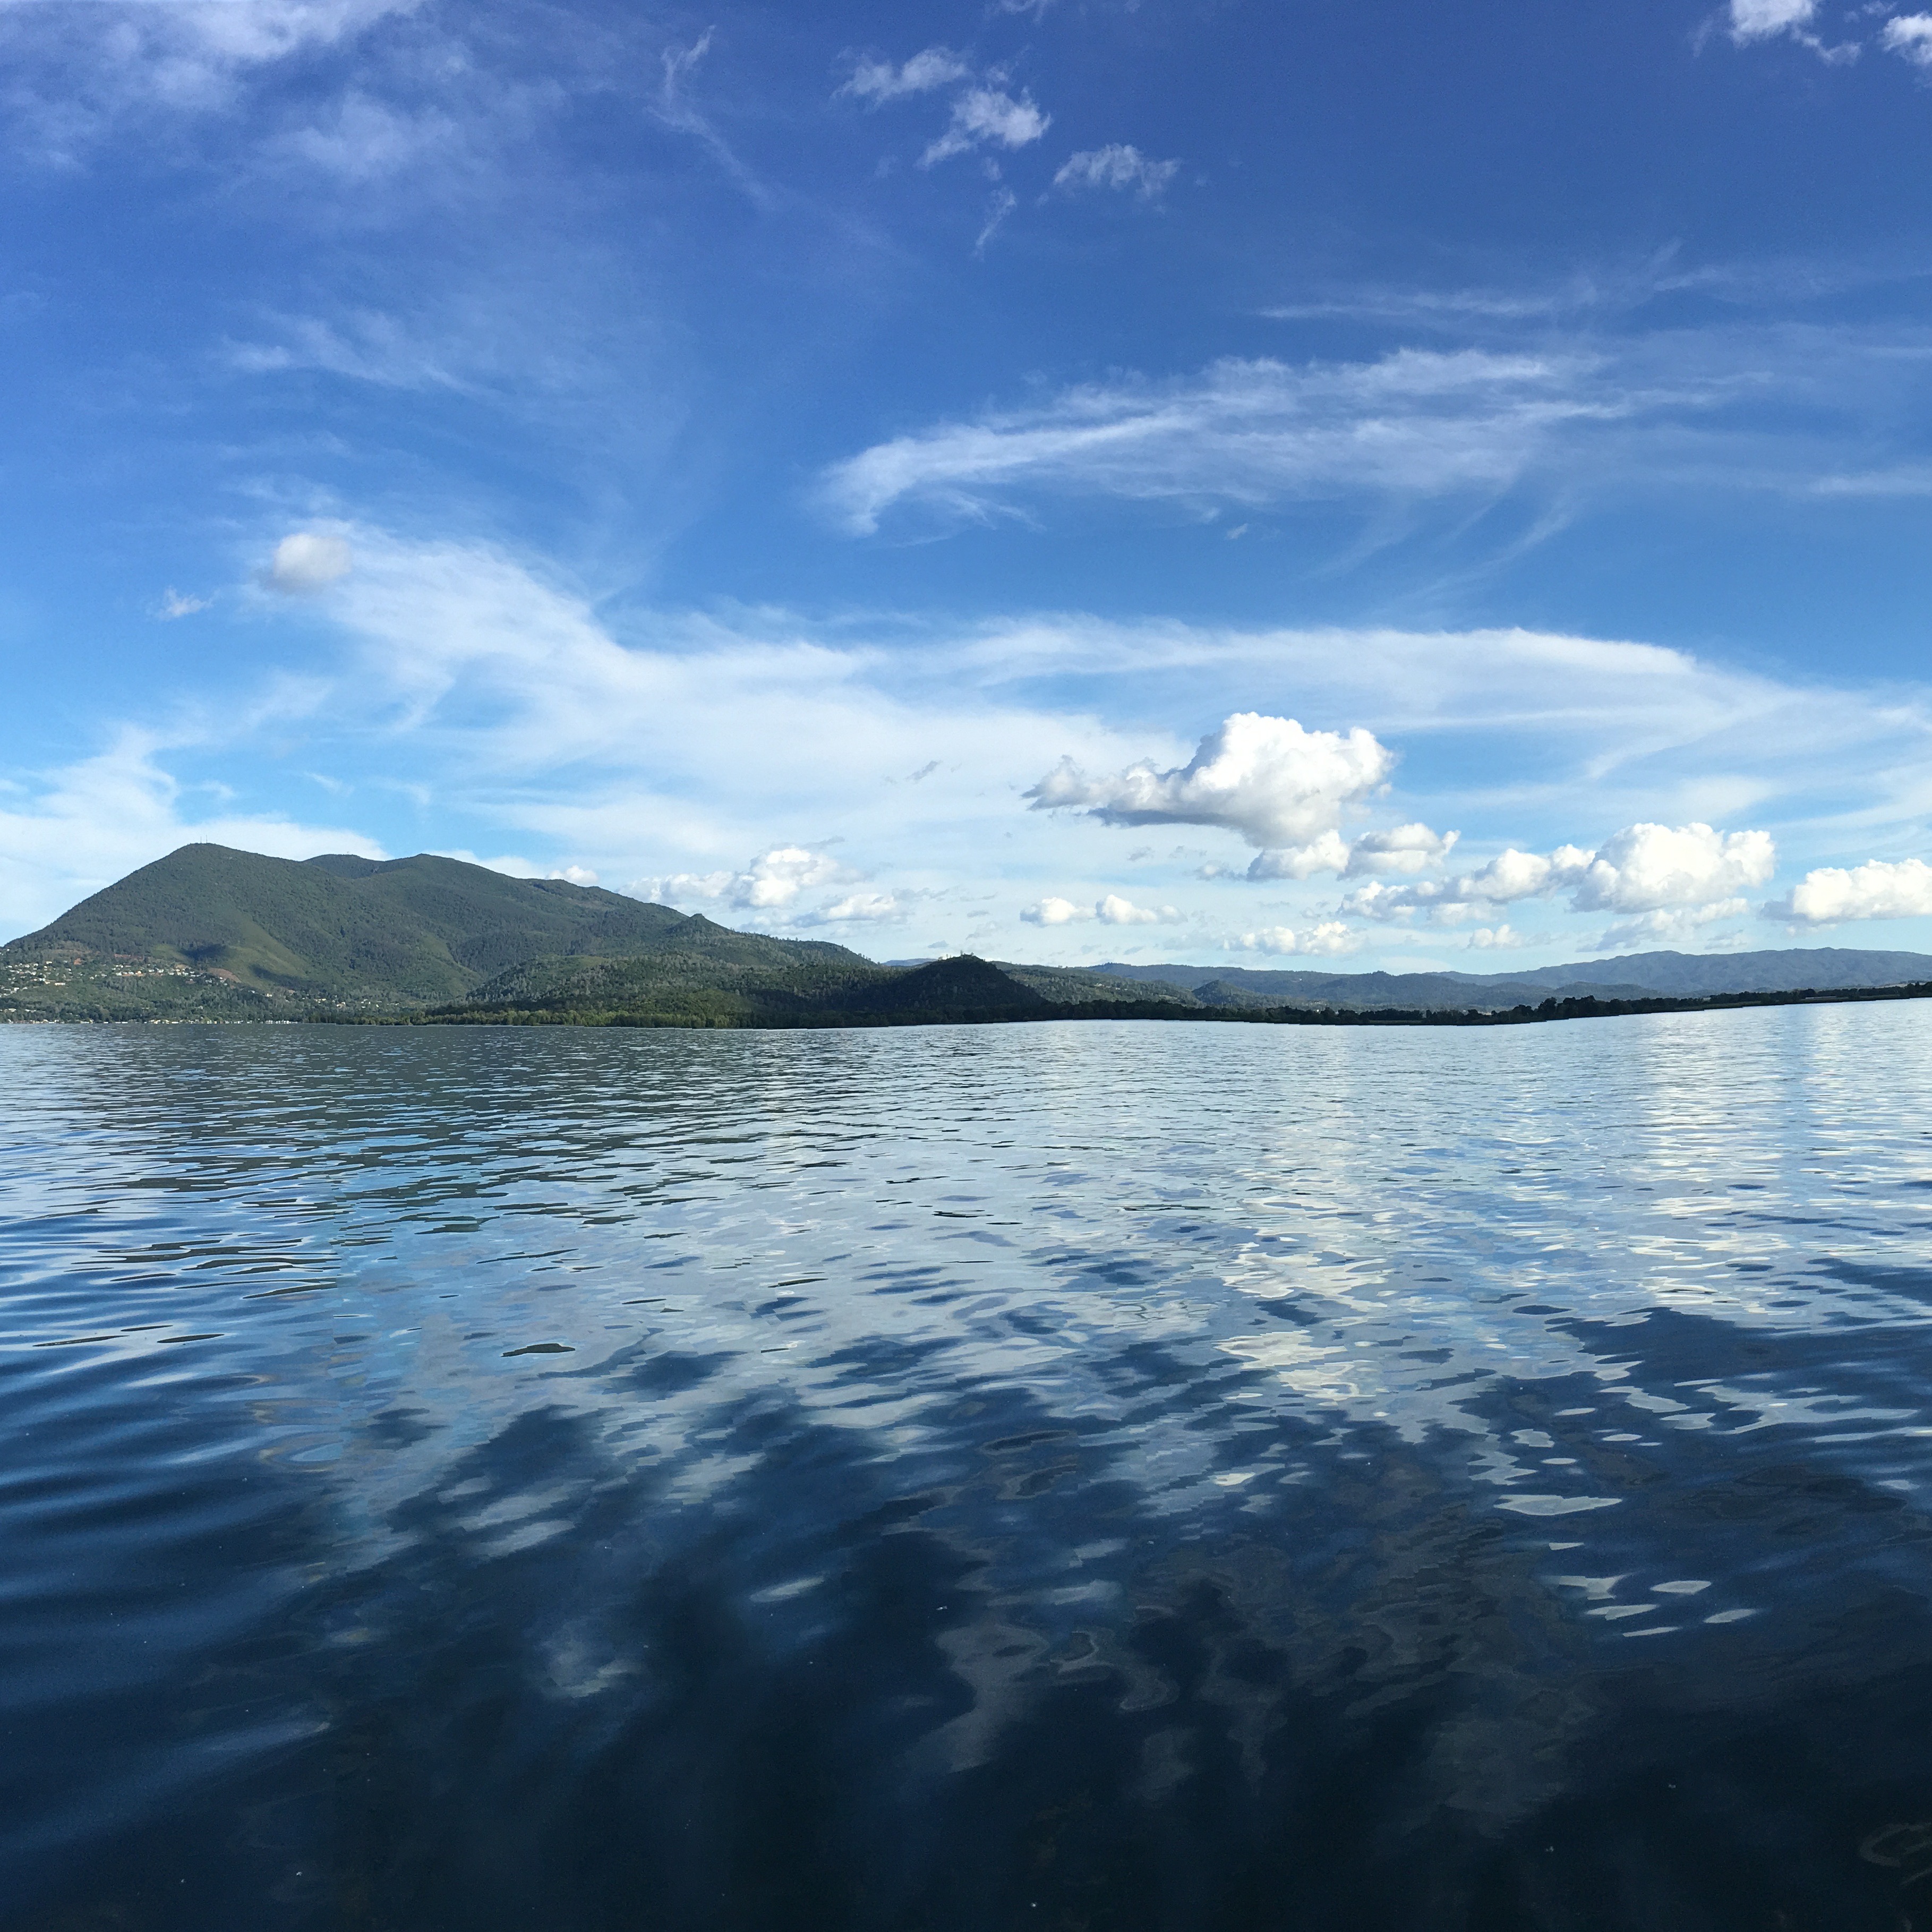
x=209, y=932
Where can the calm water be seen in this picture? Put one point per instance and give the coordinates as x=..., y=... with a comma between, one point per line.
x=1059, y=1477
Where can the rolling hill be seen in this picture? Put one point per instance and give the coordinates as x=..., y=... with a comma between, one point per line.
x=212, y=933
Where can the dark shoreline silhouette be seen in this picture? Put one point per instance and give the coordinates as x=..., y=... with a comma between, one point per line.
x=1150, y=1010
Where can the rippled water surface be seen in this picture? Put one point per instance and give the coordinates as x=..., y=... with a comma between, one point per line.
x=1059, y=1477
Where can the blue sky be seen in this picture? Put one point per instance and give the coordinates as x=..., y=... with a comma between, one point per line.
x=1421, y=483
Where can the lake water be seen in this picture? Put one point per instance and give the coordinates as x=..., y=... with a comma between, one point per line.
x=1067, y=1477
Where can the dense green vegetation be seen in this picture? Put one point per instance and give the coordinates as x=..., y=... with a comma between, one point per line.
x=963, y=990
x=683, y=986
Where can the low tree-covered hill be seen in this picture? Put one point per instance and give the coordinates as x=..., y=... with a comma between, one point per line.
x=704, y=980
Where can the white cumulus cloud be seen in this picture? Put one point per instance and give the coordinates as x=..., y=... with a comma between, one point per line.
x=309, y=560
x=1644, y=868
x=1330, y=853
x=1279, y=785
x=1657, y=867
x=1115, y=911
x=1053, y=911
x=1120, y=165
x=1404, y=848
x=1879, y=889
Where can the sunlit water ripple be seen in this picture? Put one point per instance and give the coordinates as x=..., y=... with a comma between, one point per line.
x=1067, y=1477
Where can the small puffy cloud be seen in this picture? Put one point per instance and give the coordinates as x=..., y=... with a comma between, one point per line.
x=1496, y=938
x=174, y=603
x=1118, y=166
x=1111, y=911
x=771, y=883
x=1115, y=911
x=1762, y=20
x=574, y=875
x=1879, y=889
x=308, y=561
x=1051, y=911
x=1909, y=36
x=1407, y=848
x=1280, y=787
x=1331, y=936
x=988, y=116
x=877, y=80
x=1327, y=853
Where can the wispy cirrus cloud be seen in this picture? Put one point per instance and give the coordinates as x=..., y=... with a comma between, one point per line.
x=677, y=107
x=66, y=832
x=1793, y=410
x=1245, y=431
x=74, y=72
x=983, y=112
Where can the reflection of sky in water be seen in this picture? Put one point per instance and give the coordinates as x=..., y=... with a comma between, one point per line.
x=1417, y=1216
x=1390, y=1323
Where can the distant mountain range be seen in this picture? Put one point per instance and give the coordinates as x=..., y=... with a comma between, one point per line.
x=208, y=933
x=1632, y=975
